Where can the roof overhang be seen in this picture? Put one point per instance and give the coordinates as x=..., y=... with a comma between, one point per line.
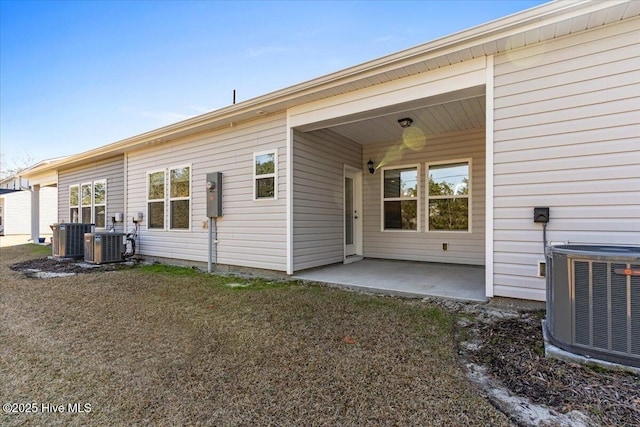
x=539, y=24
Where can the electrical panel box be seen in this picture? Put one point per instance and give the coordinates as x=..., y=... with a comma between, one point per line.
x=214, y=194
x=541, y=215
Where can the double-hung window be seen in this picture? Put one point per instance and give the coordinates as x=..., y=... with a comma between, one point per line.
x=155, y=200
x=265, y=175
x=400, y=198
x=88, y=203
x=85, y=203
x=448, y=196
x=100, y=204
x=74, y=203
x=179, y=198
x=169, y=188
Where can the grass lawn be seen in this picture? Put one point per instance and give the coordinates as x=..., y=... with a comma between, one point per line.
x=172, y=346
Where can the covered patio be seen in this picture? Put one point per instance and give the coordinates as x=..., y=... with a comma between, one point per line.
x=404, y=278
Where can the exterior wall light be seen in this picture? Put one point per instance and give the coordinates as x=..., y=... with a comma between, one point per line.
x=372, y=169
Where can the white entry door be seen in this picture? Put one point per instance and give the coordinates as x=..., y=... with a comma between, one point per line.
x=352, y=212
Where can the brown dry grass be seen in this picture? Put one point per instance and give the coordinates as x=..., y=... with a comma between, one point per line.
x=180, y=348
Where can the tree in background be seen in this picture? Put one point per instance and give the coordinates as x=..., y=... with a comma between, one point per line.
x=17, y=164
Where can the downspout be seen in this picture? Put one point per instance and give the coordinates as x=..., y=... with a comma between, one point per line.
x=489, y=98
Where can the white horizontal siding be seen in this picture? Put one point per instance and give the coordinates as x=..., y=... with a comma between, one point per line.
x=17, y=212
x=250, y=233
x=464, y=248
x=566, y=136
x=318, y=185
x=48, y=209
x=111, y=169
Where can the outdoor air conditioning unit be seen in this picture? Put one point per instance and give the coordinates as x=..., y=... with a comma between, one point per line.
x=101, y=248
x=68, y=239
x=593, y=301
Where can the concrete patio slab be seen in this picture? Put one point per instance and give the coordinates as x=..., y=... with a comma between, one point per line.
x=405, y=278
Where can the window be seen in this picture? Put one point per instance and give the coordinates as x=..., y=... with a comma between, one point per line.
x=179, y=200
x=265, y=175
x=100, y=204
x=88, y=203
x=448, y=196
x=74, y=203
x=155, y=200
x=85, y=203
x=170, y=188
x=400, y=198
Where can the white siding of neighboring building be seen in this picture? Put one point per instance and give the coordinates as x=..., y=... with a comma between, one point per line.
x=250, y=233
x=567, y=136
x=17, y=211
x=111, y=169
x=464, y=247
x=318, y=196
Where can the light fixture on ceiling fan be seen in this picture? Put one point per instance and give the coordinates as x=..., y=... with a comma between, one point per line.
x=406, y=122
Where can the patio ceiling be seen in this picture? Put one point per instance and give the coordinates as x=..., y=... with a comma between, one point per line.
x=450, y=112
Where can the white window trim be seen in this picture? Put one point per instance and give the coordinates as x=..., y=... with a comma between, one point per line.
x=469, y=196
x=93, y=207
x=169, y=199
x=90, y=205
x=417, y=198
x=273, y=175
x=76, y=206
x=164, y=211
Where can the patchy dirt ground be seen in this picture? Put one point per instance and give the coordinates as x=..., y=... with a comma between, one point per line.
x=173, y=346
x=512, y=352
x=506, y=346
x=50, y=265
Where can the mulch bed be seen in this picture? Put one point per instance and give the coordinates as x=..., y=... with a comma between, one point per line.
x=53, y=265
x=513, y=351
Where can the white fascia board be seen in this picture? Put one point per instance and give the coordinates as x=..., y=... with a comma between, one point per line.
x=448, y=79
x=43, y=179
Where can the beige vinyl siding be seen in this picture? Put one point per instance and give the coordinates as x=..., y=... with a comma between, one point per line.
x=250, y=233
x=567, y=136
x=464, y=247
x=318, y=185
x=110, y=169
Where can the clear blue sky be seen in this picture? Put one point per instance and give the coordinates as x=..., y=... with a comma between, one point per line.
x=75, y=75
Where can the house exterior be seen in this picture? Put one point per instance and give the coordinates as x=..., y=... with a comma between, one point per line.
x=15, y=208
x=538, y=109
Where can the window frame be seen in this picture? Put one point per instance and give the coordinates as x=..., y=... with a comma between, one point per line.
x=170, y=199
x=77, y=207
x=166, y=199
x=163, y=200
x=469, y=196
x=273, y=175
x=82, y=205
x=94, y=204
x=393, y=199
